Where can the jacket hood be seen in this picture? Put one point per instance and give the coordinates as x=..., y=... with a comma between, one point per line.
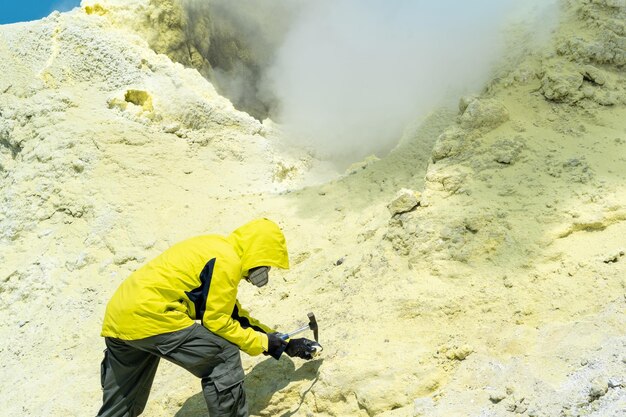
x=260, y=243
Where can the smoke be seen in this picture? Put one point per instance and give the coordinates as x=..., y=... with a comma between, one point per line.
x=238, y=40
x=345, y=77
x=351, y=74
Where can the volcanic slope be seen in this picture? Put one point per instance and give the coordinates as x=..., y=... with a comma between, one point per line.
x=501, y=292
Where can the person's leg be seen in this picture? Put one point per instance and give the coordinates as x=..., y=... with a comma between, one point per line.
x=126, y=376
x=224, y=390
x=209, y=357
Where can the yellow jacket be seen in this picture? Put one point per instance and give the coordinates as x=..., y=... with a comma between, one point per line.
x=197, y=279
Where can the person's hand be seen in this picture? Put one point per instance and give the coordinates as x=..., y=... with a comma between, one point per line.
x=301, y=348
x=275, y=345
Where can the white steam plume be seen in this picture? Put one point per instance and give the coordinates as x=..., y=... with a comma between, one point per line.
x=351, y=74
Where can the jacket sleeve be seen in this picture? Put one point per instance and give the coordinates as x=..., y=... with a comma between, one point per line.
x=246, y=320
x=218, y=315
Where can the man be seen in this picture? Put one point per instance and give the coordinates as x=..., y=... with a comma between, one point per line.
x=153, y=315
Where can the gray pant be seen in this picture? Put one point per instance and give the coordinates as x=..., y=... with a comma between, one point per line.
x=129, y=366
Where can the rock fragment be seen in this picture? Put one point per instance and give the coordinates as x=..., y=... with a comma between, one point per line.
x=465, y=101
x=448, y=144
x=497, y=396
x=404, y=201
x=507, y=151
x=598, y=389
x=484, y=114
x=172, y=127
x=562, y=85
x=613, y=257
x=458, y=353
x=517, y=406
x=594, y=75
x=78, y=166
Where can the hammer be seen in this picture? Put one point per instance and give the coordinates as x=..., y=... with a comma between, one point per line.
x=312, y=325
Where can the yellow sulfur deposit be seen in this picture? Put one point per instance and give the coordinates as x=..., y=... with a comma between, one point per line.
x=475, y=269
x=95, y=9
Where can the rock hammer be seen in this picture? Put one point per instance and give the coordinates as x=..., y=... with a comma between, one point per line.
x=316, y=348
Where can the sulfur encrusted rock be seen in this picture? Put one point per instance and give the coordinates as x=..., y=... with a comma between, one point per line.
x=594, y=75
x=562, y=85
x=404, y=201
x=497, y=395
x=598, y=388
x=484, y=114
x=465, y=101
x=448, y=144
x=507, y=151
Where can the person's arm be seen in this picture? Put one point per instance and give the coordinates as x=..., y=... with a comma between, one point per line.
x=217, y=317
x=246, y=320
x=276, y=345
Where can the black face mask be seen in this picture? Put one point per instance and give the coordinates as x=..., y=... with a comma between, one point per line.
x=258, y=276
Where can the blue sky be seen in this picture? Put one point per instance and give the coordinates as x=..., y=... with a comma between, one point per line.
x=24, y=10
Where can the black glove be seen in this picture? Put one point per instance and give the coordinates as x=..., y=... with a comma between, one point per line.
x=275, y=345
x=301, y=348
